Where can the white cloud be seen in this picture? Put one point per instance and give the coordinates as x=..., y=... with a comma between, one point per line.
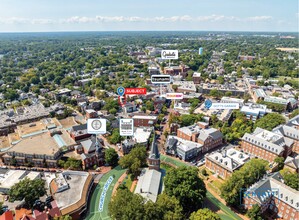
x=260, y=18
x=101, y=19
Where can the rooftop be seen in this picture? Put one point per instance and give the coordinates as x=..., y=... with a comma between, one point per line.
x=142, y=135
x=184, y=145
x=74, y=197
x=148, y=184
x=12, y=177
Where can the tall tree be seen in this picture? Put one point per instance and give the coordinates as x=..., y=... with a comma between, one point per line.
x=184, y=184
x=255, y=212
x=251, y=172
x=204, y=214
x=126, y=205
x=134, y=160
x=111, y=157
x=270, y=121
x=29, y=190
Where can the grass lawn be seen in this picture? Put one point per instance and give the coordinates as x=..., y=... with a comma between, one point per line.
x=165, y=166
x=93, y=212
x=217, y=183
x=283, y=77
x=128, y=181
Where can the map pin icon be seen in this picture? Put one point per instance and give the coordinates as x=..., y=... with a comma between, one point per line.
x=120, y=91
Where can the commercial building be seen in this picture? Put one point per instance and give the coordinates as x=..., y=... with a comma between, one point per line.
x=141, y=136
x=266, y=144
x=79, y=132
x=196, y=78
x=226, y=162
x=144, y=120
x=185, y=86
x=40, y=150
x=234, y=88
x=225, y=99
x=72, y=198
x=10, y=118
x=254, y=111
x=184, y=149
x=272, y=195
x=12, y=177
x=209, y=138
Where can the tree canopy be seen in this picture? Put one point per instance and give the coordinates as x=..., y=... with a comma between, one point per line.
x=251, y=172
x=204, y=214
x=185, y=185
x=134, y=160
x=111, y=157
x=255, y=213
x=270, y=121
x=29, y=190
x=133, y=206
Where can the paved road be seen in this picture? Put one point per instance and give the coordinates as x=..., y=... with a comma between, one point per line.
x=228, y=213
x=94, y=212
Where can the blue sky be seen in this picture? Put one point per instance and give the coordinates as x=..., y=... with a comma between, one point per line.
x=118, y=15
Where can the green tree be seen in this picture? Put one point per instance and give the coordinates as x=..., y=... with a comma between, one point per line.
x=29, y=190
x=290, y=179
x=115, y=137
x=184, y=184
x=111, y=157
x=70, y=163
x=280, y=162
x=126, y=205
x=270, y=121
x=251, y=172
x=169, y=207
x=150, y=105
x=134, y=160
x=64, y=217
x=255, y=212
x=215, y=93
x=294, y=113
x=204, y=214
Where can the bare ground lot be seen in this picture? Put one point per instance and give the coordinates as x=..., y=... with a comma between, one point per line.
x=31, y=127
x=68, y=122
x=4, y=142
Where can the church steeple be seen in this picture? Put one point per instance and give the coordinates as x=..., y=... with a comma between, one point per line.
x=154, y=156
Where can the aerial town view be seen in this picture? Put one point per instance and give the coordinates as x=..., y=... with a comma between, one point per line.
x=149, y=110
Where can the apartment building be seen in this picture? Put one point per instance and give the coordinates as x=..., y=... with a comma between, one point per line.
x=272, y=195
x=266, y=144
x=226, y=162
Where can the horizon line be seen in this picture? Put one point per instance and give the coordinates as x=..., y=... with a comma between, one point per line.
x=78, y=31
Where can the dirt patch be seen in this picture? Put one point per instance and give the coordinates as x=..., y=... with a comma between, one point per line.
x=68, y=122
x=4, y=142
x=31, y=127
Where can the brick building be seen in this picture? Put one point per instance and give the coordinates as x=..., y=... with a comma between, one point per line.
x=144, y=120
x=266, y=144
x=274, y=197
x=226, y=162
x=42, y=150
x=290, y=130
x=209, y=138
x=91, y=152
x=79, y=132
